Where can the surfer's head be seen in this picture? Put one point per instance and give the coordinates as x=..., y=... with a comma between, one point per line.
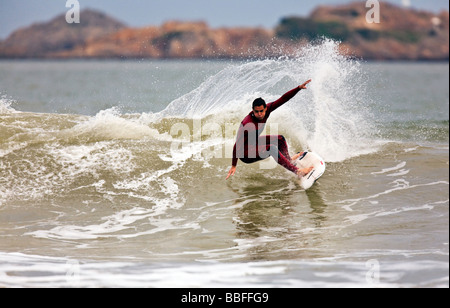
x=259, y=108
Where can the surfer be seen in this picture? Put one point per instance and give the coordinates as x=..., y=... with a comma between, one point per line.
x=251, y=147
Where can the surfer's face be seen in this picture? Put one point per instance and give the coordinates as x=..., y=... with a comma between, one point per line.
x=259, y=112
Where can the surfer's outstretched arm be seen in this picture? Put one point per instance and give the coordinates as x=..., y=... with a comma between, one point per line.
x=286, y=97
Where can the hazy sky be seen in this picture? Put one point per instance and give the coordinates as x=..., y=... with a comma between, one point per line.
x=267, y=13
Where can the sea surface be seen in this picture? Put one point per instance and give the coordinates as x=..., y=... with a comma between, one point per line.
x=112, y=174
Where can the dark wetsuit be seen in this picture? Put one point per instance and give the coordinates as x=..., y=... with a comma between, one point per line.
x=250, y=147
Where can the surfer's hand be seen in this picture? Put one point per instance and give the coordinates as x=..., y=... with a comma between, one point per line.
x=231, y=172
x=303, y=86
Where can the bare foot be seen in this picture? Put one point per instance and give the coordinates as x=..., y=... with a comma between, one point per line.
x=297, y=156
x=302, y=172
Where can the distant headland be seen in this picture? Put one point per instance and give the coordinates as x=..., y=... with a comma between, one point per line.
x=401, y=34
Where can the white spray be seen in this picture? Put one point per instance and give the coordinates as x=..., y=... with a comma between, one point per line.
x=329, y=118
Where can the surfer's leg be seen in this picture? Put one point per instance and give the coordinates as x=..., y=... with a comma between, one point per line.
x=274, y=151
x=283, y=157
x=283, y=147
x=279, y=141
x=277, y=148
x=286, y=162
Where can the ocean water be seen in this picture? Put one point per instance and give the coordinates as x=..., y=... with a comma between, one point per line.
x=112, y=174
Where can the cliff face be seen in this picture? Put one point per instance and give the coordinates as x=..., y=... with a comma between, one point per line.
x=44, y=40
x=176, y=40
x=401, y=34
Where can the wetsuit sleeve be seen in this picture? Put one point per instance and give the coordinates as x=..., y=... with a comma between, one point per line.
x=238, y=149
x=239, y=143
x=282, y=100
x=235, y=159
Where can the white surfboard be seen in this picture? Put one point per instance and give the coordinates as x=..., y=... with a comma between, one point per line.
x=307, y=160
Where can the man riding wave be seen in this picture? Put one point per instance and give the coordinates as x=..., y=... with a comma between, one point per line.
x=251, y=147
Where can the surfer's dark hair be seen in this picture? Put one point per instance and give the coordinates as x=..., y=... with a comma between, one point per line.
x=259, y=102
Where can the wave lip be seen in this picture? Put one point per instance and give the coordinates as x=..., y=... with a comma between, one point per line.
x=110, y=124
